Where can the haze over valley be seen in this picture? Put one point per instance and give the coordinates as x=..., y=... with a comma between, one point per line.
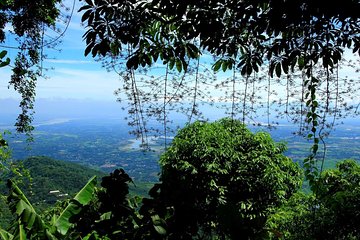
x=96, y=134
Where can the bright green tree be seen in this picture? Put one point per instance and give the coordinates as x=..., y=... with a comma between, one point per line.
x=331, y=212
x=220, y=179
x=338, y=194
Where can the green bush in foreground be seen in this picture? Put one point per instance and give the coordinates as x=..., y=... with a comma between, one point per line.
x=221, y=179
x=331, y=212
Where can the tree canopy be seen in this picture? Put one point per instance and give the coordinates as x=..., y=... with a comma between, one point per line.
x=332, y=213
x=219, y=178
x=218, y=181
x=242, y=34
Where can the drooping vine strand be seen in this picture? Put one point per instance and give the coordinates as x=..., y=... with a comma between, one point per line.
x=246, y=78
x=164, y=105
x=193, y=107
x=233, y=96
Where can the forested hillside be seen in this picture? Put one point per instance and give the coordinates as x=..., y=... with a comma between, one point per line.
x=48, y=175
x=53, y=180
x=50, y=180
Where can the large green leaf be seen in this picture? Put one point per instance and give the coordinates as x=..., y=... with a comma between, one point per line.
x=4, y=235
x=85, y=195
x=18, y=198
x=27, y=218
x=20, y=232
x=82, y=198
x=3, y=54
x=63, y=222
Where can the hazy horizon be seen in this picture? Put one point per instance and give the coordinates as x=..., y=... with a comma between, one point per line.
x=77, y=109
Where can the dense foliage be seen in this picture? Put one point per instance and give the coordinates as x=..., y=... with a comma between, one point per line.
x=222, y=179
x=109, y=213
x=30, y=224
x=51, y=181
x=281, y=31
x=332, y=212
x=44, y=181
x=53, y=175
x=7, y=168
x=218, y=180
x=47, y=175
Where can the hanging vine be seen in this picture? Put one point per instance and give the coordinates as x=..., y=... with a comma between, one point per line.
x=164, y=107
x=244, y=113
x=194, y=104
x=233, y=97
x=30, y=26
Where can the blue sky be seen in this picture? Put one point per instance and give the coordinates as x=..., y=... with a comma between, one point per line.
x=74, y=76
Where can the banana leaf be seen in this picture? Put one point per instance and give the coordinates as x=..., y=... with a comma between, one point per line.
x=4, y=235
x=27, y=218
x=82, y=198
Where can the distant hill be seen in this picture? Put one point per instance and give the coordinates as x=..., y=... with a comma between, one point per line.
x=52, y=180
x=55, y=179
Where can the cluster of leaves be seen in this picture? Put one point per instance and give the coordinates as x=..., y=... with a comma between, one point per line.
x=281, y=31
x=110, y=213
x=94, y=213
x=2, y=56
x=29, y=224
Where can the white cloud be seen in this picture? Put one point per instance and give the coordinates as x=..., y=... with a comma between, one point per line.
x=79, y=84
x=70, y=61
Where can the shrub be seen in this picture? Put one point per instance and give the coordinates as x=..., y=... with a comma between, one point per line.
x=221, y=179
